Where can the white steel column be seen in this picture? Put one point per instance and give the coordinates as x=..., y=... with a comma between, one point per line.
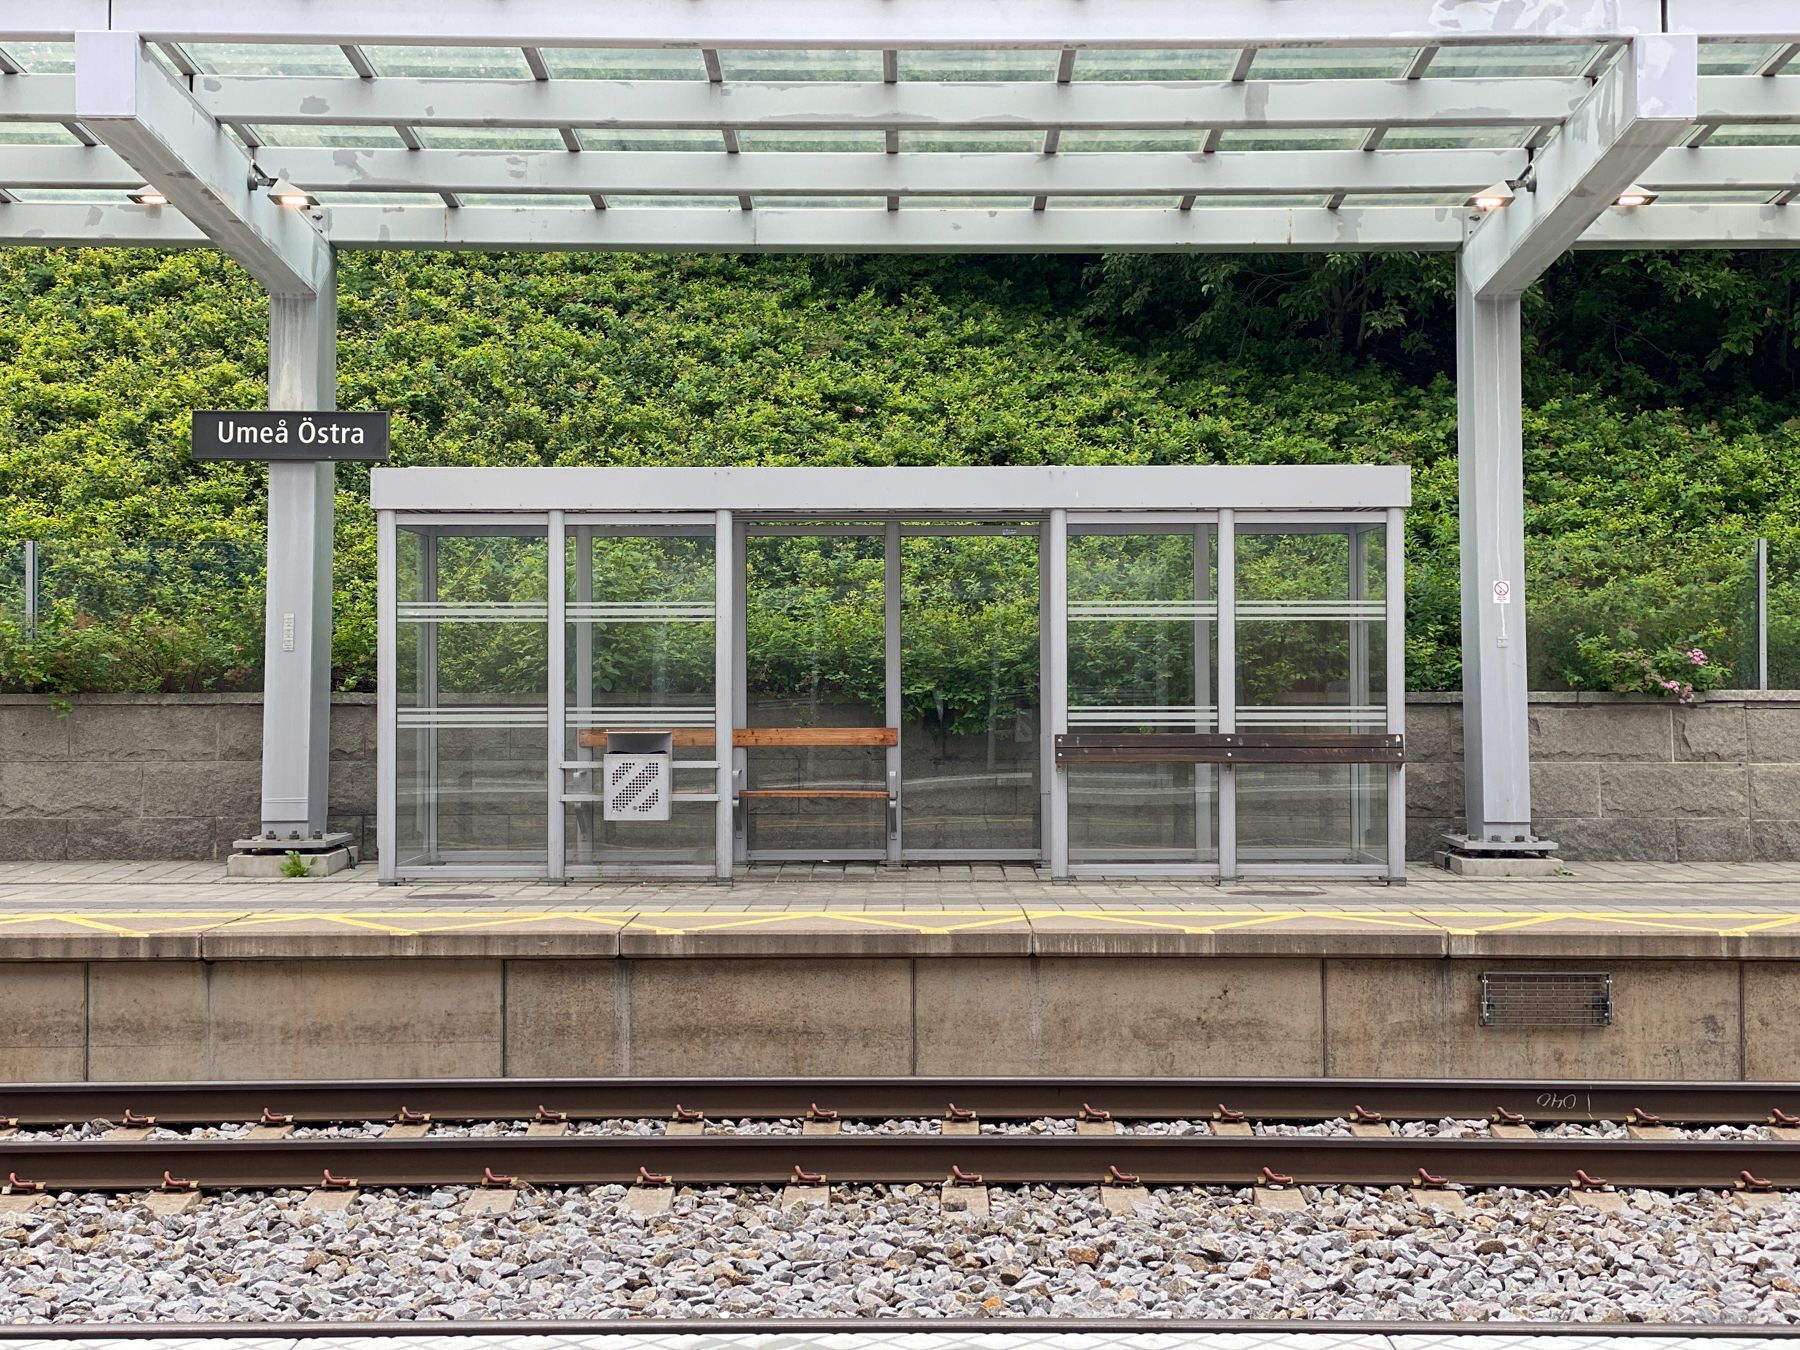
x=297, y=635
x=387, y=697
x=1203, y=686
x=1227, y=684
x=890, y=571
x=735, y=759
x=1394, y=557
x=1053, y=619
x=556, y=693
x=1491, y=489
x=586, y=843
x=1360, y=677
x=725, y=624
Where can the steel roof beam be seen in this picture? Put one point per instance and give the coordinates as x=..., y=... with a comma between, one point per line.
x=875, y=230
x=1225, y=229
x=865, y=24
x=909, y=105
x=686, y=173
x=1638, y=108
x=146, y=116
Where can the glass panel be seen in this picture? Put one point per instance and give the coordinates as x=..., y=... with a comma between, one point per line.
x=492, y=63
x=1114, y=203
x=1454, y=138
x=675, y=138
x=1030, y=64
x=331, y=198
x=1102, y=64
x=969, y=669
x=1312, y=656
x=1511, y=58
x=815, y=638
x=1756, y=135
x=1312, y=813
x=821, y=203
x=268, y=58
x=1076, y=142
x=800, y=65
x=1332, y=63
x=965, y=203
x=490, y=138
x=639, y=653
x=1735, y=58
x=1142, y=657
x=528, y=201
x=676, y=203
x=1293, y=138
x=625, y=63
x=472, y=657
x=311, y=134
x=36, y=133
x=812, y=141
x=971, y=142
x=44, y=58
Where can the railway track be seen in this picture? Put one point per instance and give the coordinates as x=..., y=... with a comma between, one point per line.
x=999, y=1099
x=132, y=1159
x=992, y=1159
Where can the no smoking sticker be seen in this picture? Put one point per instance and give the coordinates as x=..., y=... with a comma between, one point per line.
x=1503, y=592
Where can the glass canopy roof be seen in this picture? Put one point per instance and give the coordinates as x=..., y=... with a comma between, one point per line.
x=737, y=128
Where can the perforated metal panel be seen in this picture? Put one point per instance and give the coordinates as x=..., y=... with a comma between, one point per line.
x=1575, y=1000
x=637, y=787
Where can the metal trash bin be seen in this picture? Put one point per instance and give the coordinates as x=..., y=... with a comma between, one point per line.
x=635, y=775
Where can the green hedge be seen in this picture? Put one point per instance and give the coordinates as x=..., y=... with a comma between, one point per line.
x=1640, y=509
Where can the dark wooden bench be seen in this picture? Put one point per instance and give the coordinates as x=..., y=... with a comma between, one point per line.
x=1240, y=747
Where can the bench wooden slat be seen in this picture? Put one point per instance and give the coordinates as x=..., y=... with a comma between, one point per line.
x=594, y=738
x=1251, y=747
x=815, y=736
x=859, y=794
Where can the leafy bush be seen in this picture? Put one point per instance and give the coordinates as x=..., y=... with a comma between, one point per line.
x=1677, y=671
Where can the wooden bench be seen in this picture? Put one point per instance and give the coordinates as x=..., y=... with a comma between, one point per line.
x=1242, y=747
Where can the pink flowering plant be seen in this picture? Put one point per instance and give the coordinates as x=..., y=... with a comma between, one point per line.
x=1679, y=670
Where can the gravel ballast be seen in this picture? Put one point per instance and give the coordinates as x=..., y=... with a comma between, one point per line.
x=876, y=1251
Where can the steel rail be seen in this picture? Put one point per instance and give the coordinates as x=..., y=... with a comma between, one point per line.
x=739, y=1331
x=900, y=1159
x=476, y=1099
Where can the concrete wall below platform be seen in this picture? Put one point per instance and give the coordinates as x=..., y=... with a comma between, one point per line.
x=1082, y=1015
x=1624, y=778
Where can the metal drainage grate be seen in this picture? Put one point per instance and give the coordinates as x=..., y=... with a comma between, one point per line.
x=1572, y=999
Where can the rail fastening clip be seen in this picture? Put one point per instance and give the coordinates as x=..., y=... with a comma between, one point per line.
x=817, y=1112
x=1747, y=1181
x=1270, y=1177
x=492, y=1180
x=408, y=1116
x=276, y=1117
x=1114, y=1177
x=1779, y=1117
x=337, y=1183
x=646, y=1177
x=1504, y=1117
x=802, y=1177
x=18, y=1185
x=1228, y=1115
x=1363, y=1116
x=683, y=1116
x=545, y=1116
x=958, y=1177
x=133, y=1121
x=1583, y=1182
x=957, y=1113
x=1093, y=1113
x=1423, y=1179
x=1639, y=1116
x=174, y=1183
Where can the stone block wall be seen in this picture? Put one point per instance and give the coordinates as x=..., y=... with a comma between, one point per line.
x=157, y=776
x=1614, y=778
x=1632, y=779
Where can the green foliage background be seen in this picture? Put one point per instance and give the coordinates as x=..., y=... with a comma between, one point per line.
x=1662, y=428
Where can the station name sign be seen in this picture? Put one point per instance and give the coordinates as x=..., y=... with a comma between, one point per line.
x=291, y=435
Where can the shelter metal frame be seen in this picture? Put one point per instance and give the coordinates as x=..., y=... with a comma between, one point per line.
x=731, y=506
x=903, y=126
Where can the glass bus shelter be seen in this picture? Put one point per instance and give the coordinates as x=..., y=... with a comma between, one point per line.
x=1127, y=670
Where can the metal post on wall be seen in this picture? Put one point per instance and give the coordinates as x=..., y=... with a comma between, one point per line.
x=1762, y=613
x=725, y=625
x=1394, y=589
x=1053, y=617
x=387, y=698
x=556, y=695
x=31, y=586
x=890, y=571
x=1228, y=841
